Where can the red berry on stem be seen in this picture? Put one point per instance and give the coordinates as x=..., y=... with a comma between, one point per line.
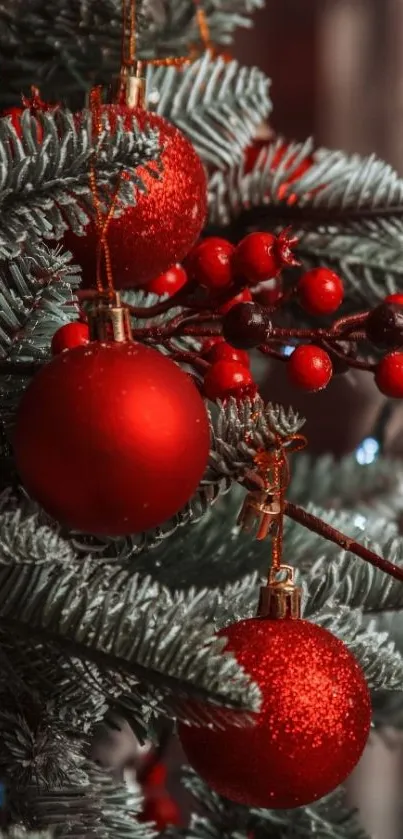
x=261, y=256
x=394, y=298
x=320, y=291
x=246, y=326
x=69, y=336
x=162, y=811
x=243, y=297
x=208, y=343
x=309, y=367
x=170, y=282
x=209, y=264
x=224, y=352
x=228, y=378
x=389, y=375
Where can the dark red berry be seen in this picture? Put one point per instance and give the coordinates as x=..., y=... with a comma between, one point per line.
x=224, y=352
x=243, y=297
x=69, y=336
x=246, y=325
x=168, y=283
x=320, y=291
x=209, y=264
x=261, y=256
x=228, y=378
x=384, y=326
x=309, y=367
x=394, y=298
x=162, y=811
x=389, y=375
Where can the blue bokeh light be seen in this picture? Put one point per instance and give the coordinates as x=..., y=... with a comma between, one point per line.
x=367, y=451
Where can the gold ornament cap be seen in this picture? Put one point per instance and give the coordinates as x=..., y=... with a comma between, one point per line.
x=109, y=320
x=280, y=598
x=130, y=89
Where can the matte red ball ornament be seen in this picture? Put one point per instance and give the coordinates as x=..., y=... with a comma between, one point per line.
x=313, y=723
x=228, y=378
x=170, y=282
x=209, y=264
x=70, y=335
x=309, y=367
x=320, y=291
x=389, y=375
x=261, y=256
x=145, y=240
x=111, y=439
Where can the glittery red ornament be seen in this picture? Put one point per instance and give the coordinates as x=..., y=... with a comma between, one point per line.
x=111, y=439
x=313, y=723
x=170, y=282
x=70, y=335
x=228, y=378
x=320, y=291
x=309, y=367
x=389, y=375
x=145, y=240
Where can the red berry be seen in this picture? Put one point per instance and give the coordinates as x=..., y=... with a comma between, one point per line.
x=309, y=367
x=162, y=811
x=227, y=378
x=243, y=297
x=224, y=352
x=208, y=343
x=209, y=264
x=261, y=256
x=168, y=283
x=154, y=776
x=320, y=291
x=397, y=299
x=69, y=336
x=389, y=375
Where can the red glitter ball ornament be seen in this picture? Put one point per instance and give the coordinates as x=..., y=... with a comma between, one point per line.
x=145, y=240
x=111, y=439
x=309, y=367
x=313, y=723
x=389, y=375
x=70, y=335
x=170, y=282
x=228, y=378
x=320, y=291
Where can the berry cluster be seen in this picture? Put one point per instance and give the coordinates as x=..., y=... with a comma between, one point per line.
x=230, y=297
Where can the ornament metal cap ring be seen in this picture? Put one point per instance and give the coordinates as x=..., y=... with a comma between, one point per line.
x=280, y=598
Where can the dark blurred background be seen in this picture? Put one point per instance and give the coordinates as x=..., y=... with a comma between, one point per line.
x=337, y=71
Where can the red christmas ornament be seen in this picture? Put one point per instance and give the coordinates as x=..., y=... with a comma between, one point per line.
x=243, y=297
x=228, y=378
x=111, y=439
x=170, y=282
x=312, y=727
x=35, y=105
x=145, y=240
x=389, y=375
x=320, y=291
x=162, y=810
x=397, y=299
x=69, y=336
x=209, y=264
x=309, y=367
x=261, y=256
x=224, y=352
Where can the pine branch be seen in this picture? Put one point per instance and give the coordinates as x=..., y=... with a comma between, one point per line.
x=218, y=104
x=46, y=174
